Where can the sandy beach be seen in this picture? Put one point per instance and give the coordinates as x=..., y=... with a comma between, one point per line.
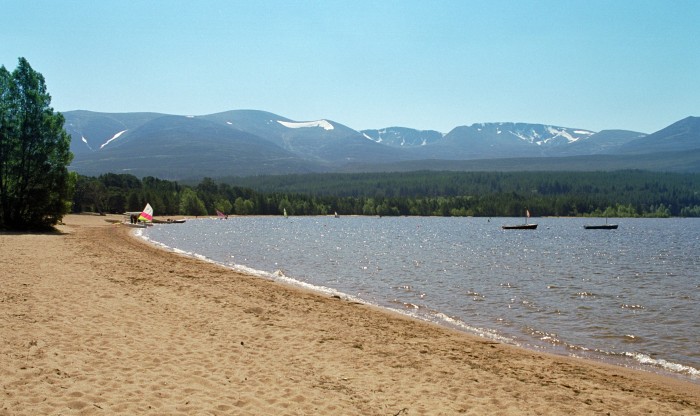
x=94, y=321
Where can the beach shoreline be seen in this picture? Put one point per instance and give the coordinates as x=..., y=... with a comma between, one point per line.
x=97, y=321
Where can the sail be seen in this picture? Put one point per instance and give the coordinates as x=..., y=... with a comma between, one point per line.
x=147, y=214
x=527, y=213
x=220, y=214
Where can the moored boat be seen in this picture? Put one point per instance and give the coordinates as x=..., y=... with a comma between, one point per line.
x=601, y=227
x=605, y=226
x=520, y=227
x=525, y=226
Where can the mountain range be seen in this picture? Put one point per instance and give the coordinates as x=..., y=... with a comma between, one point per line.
x=252, y=142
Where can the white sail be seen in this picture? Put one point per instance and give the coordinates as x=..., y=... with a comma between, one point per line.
x=147, y=214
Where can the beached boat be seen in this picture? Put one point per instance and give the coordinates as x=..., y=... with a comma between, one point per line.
x=168, y=221
x=140, y=219
x=525, y=226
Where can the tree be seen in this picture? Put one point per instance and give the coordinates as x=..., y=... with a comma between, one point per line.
x=190, y=204
x=35, y=185
x=224, y=205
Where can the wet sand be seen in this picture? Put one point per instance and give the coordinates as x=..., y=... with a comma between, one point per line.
x=94, y=321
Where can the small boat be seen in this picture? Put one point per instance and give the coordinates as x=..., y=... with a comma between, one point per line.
x=520, y=227
x=605, y=226
x=525, y=226
x=220, y=215
x=140, y=219
x=168, y=221
x=147, y=214
x=601, y=227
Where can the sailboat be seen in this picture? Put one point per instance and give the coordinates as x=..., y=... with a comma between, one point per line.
x=220, y=215
x=147, y=214
x=525, y=226
x=140, y=219
x=605, y=226
x=285, y=212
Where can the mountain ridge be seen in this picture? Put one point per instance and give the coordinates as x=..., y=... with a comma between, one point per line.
x=254, y=142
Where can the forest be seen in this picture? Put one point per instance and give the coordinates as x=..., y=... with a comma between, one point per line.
x=487, y=194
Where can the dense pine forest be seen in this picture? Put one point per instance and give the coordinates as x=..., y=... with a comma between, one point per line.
x=488, y=194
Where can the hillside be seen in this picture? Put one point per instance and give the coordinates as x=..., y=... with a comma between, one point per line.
x=252, y=142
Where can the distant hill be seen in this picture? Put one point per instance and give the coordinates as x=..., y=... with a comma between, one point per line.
x=679, y=136
x=91, y=131
x=681, y=162
x=177, y=147
x=252, y=142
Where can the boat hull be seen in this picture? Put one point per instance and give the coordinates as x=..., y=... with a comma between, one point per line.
x=155, y=221
x=601, y=227
x=520, y=227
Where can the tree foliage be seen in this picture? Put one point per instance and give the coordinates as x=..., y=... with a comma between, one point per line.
x=611, y=194
x=35, y=184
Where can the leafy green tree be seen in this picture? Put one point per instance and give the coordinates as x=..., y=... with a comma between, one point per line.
x=190, y=204
x=224, y=205
x=285, y=205
x=96, y=194
x=134, y=201
x=368, y=207
x=35, y=185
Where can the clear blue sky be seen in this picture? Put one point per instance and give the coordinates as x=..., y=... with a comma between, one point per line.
x=369, y=64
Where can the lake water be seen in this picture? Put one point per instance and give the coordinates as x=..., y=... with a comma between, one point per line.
x=629, y=296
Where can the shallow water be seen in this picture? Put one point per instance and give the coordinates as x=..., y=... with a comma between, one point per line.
x=629, y=295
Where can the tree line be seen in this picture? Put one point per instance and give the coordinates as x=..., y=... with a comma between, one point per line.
x=611, y=194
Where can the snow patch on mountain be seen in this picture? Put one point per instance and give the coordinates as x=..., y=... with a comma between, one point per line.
x=86, y=142
x=558, y=132
x=115, y=137
x=402, y=136
x=324, y=124
x=379, y=140
x=550, y=134
x=527, y=138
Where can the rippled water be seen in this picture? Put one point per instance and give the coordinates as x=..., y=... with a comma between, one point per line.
x=630, y=295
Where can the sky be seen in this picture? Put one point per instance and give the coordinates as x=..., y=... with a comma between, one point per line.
x=429, y=65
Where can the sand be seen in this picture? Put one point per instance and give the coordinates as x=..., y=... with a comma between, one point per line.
x=94, y=321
